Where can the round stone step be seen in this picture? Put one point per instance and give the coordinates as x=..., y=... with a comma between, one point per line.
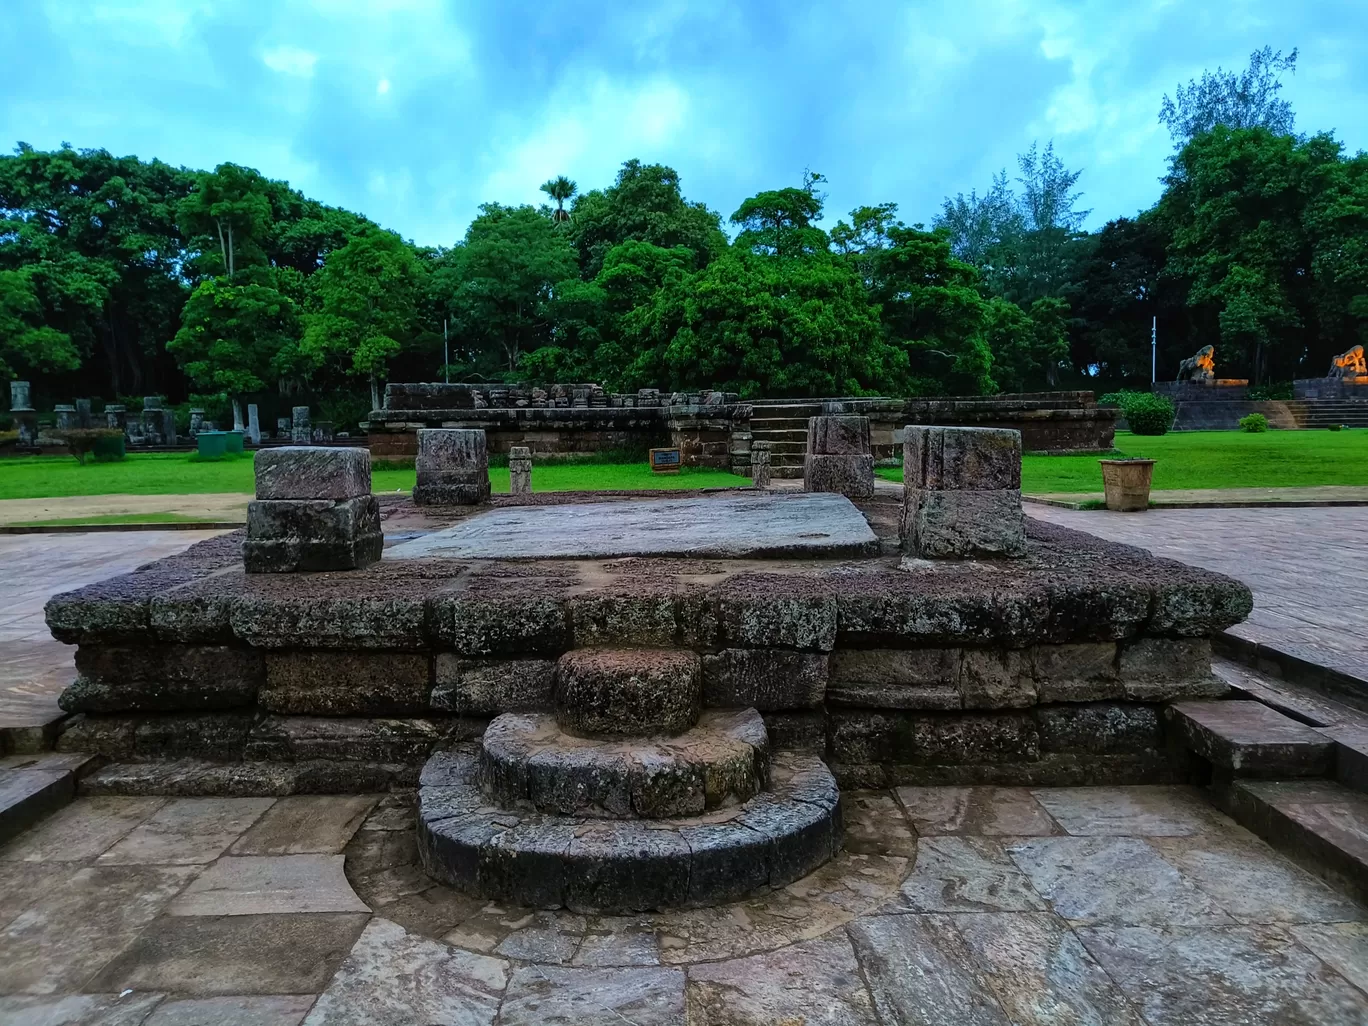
x=615, y=866
x=612, y=693
x=526, y=759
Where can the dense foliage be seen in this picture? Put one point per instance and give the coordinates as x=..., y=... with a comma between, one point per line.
x=121, y=277
x=1146, y=413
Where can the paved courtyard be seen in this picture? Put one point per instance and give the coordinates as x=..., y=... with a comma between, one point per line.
x=33, y=667
x=950, y=906
x=1306, y=567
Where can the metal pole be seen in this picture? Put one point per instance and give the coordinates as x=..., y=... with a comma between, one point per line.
x=446, y=354
x=1154, y=348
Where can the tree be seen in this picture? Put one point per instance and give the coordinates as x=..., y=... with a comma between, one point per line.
x=234, y=338
x=560, y=189
x=233, y=205
x=980, y=228
x=510, y=262
x=644, y=204
x=26, y=344
x=365, y=296
x=758, y=325
x=1247, y=100
x=780, y=222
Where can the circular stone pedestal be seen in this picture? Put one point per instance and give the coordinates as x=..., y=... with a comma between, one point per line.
x=610, y=693
x=543, y=859
x=526, y=759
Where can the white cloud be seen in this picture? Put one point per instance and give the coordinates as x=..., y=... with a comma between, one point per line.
x=290, y=60
x=382, y=87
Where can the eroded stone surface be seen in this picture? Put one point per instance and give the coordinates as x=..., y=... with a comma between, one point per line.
x=967, y=874
x=749, y=525
x=627, y=692
x=312, y=472
x=265, y=884
x=593, y=997
x=187, y=831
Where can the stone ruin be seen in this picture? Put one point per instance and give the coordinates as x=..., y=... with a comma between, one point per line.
x=628, y=728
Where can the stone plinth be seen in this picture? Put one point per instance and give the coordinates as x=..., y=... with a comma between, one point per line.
x=760, y=464
x=116, y=416
x=453, y=467
x=838, y=457
x=283, y=427
x=611, y=693
x=520, y=470
x=313, y=511
x=301, y=433
x=83, y=416
x=962, y=493
x=168, y=427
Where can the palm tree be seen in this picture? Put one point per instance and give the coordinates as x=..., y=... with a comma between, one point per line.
x=560, y=189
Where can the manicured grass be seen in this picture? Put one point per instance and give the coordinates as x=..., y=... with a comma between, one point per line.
x=115, y=518
x=45, y=477
x=1212, y=459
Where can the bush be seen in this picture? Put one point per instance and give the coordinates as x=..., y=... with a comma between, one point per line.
x=1146, y=413
x=1254, y=423
x=1334, y=427
x=104, y=443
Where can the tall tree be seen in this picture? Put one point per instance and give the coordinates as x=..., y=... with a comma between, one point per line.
x=560, y=189
x=235, y=337
x=366, y=296
x=233, y=205
x=510, y=262
x=27, y=345
x=1248, y=99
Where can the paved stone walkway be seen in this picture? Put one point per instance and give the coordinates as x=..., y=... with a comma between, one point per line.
x=1346, y=495
x=33, y=667
x=951, y=906
x=1306, y=567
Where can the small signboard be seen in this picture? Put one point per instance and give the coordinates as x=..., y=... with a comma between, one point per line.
x=665, y=461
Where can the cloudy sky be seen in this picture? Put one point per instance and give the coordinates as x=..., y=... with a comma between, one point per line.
x=415, y=111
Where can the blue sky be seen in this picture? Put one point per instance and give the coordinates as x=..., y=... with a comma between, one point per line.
x=416, y=111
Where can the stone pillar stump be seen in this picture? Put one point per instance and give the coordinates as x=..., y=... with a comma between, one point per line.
x=313, y=511
x=301, y=432
x=962, y=493
x=453, y=467
x=760, y=464
x=253, y=424
x=520, y=470
x=838, y=457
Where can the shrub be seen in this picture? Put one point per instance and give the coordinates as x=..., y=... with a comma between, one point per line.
x=1254, y=423
x=1334, y=427
x=9, y=439
x=104, y=443
x=1146, y=413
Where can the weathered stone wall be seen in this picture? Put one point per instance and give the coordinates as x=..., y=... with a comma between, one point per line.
x=712, y=429
x=1051, y=669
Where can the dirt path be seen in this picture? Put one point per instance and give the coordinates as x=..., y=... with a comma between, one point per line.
x=216, y=506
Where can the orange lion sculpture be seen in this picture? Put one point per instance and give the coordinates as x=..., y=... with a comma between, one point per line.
x=1348, y=364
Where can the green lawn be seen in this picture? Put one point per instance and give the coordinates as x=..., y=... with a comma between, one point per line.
x=45, y=477
x=1212, y=459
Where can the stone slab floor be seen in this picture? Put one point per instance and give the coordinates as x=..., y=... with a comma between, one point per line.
x=33, y=667
x=1306, y=567
x=951, y=906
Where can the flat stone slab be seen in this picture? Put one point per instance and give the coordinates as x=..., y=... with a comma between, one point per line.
x=817, y=524
x=1250, y=739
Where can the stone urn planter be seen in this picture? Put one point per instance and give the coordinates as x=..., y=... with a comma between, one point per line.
x=1126, y=484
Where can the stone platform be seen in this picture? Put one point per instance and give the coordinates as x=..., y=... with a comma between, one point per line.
x=740, y=526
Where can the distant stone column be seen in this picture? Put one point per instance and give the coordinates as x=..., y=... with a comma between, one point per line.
x=253, y=424
x=838, y=457
x=283, y=427
x=21, y=409
x=116, y=417
x=520, y=470
x=300, y=430
x=313, y=511
x=168, y=427
x=66, y=416
x=760, y=464
x=196, y=422
x=83, y=418
x=453, y=467
x=962, y=493
x=20, y=396
x=151, y=419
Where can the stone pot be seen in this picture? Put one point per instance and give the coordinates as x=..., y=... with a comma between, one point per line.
x=1127, y=484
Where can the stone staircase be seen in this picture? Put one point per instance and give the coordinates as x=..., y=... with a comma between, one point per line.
x=37, y=785
x=784, y=424
x=1296, y=775
x=1322, y=413
x=627, y=798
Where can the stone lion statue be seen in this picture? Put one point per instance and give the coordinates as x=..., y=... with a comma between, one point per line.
x=1200, y=368
x=1348, y=364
